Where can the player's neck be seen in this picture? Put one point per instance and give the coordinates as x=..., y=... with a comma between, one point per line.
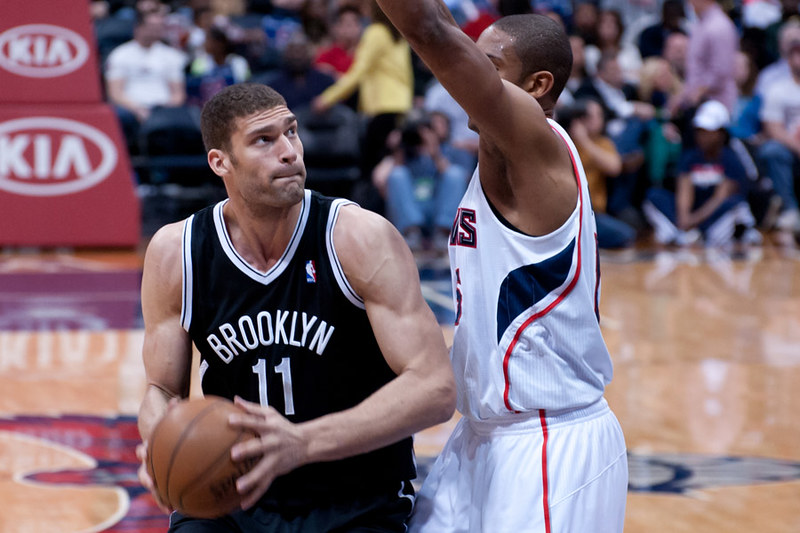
x=261, y=238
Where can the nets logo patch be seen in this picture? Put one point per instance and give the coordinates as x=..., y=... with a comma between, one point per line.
x=42, y=51
x=49, y=156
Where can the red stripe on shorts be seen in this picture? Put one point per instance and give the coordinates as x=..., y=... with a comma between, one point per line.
x=545, y=499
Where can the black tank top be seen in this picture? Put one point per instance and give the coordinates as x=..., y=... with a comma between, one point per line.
x=296, y=338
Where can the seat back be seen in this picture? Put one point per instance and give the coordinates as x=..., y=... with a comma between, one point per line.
x=332, y=139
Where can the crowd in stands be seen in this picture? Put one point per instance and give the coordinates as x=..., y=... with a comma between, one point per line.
x=686, y=114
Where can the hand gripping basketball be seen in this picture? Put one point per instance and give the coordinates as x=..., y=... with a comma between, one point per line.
x=189, y=458
x=281, y=448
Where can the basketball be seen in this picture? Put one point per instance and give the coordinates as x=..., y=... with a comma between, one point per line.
x=189, y=458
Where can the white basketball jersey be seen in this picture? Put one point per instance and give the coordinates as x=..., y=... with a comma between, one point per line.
x=527, y=333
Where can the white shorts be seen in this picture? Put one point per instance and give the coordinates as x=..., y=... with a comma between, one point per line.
x=554, y=474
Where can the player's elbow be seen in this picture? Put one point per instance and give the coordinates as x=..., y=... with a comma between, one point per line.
x=443, y=398
x=428, y=32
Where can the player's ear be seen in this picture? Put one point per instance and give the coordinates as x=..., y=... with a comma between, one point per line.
x=538, y=83
x=219, y=161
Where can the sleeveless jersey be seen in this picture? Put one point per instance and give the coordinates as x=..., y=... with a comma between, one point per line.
x=527, y=333
x=296, y=338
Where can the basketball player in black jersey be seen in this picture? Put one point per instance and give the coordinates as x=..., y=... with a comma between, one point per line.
x=307, y=311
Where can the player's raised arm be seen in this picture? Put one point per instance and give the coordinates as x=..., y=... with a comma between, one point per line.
x=470, y=74
x=508, y=82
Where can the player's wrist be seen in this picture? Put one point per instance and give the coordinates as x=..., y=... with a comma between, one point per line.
x=303, y=450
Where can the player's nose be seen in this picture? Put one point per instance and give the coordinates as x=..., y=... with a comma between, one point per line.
x=288, y=151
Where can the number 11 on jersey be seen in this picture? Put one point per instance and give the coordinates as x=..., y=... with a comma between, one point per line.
x=285, y=370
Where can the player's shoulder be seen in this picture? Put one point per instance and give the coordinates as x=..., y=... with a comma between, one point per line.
x=372, y=253
x=361, y=234
x=362, y=223
x=166, y=243
x=168, y=233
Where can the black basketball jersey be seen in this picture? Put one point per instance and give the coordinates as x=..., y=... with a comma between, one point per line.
x=296, y=338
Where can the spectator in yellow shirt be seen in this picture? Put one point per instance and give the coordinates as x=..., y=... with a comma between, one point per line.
x=382, y=74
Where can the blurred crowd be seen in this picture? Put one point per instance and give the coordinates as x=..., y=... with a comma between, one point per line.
x=686, y=114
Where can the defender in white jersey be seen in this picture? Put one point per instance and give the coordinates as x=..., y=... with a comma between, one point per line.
x=537, y=448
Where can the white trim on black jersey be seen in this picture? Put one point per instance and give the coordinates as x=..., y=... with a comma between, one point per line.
x=277, y=269
x=336, y=265
x=186, y=285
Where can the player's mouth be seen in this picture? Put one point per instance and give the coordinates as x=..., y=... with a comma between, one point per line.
x=286, y=175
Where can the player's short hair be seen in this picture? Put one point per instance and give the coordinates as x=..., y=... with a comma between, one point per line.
x=541, y=44
x=218, y=119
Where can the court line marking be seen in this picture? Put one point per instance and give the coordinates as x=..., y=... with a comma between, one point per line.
x=122, y=496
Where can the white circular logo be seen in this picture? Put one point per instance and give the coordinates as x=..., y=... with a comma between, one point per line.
x=42, y=50
x=50, y=156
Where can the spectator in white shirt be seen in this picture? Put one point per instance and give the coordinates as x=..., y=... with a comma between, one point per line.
x=144, y=73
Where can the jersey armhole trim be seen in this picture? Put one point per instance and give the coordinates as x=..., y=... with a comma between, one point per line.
x=336, y=265
x=187, y=282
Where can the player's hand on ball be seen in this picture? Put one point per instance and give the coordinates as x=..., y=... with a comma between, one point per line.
x=145, y=479
x=279, y=450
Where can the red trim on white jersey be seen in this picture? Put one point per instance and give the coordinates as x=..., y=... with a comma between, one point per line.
x=563, y=295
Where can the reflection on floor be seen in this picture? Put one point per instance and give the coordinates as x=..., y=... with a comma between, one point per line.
x=706, y=348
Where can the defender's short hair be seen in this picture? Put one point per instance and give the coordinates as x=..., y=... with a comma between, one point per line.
x=217, y=121
x=541, y=44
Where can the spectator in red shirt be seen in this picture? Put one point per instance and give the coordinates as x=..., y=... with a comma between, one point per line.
x=337, y=58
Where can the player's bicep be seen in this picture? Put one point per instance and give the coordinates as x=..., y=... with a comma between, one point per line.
x=166, y=351
x=498, y=108
x=382, y=271
x=463, y=70
x=404, y=325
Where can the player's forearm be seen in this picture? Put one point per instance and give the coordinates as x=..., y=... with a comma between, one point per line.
x=420, y=21
x=153, y=406
x=411, y=402
x=452, y=56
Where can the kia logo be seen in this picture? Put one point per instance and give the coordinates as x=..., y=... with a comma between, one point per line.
x=42, y=50
x=49, y=156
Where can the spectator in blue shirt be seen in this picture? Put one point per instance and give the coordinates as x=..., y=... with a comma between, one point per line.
x=709, y=200
x=298, y=79
x=424, y=182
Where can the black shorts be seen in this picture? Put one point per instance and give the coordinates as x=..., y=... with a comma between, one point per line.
x=386, y=511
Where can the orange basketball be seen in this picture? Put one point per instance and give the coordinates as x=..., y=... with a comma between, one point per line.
x=189, y=458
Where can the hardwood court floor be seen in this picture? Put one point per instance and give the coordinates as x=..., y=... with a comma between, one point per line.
x=706, y=387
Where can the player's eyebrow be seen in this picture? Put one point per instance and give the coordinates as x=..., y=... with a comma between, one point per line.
x=273, y=127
